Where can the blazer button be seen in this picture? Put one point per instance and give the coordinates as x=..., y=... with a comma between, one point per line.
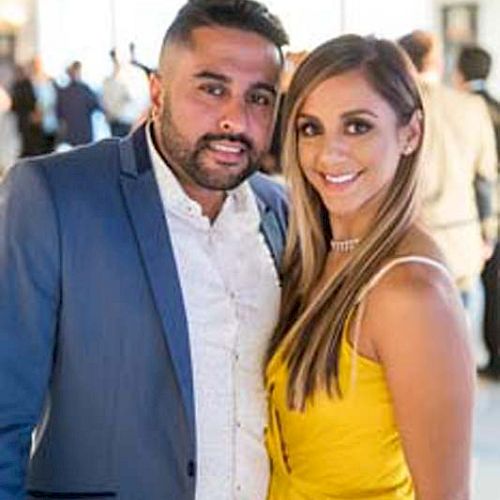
x=191, y=468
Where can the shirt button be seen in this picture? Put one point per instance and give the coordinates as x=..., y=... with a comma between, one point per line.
x=191, y=468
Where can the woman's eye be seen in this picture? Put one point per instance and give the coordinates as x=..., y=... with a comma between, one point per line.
x=308, y=129
x=357, y=127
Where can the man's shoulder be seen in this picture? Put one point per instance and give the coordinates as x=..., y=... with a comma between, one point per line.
x=489, y=97
x=493, y=106
x=79, y=157
x=459, y=98
x=268, y=188
x=271, y=194
x=453, y=108
x=80, y=167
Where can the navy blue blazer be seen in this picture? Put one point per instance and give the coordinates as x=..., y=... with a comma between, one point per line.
x=94, y=347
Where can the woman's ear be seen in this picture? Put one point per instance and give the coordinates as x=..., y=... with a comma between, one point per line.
x=411, y=134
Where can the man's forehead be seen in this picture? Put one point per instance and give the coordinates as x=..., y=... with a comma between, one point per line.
x=226, y=34
x=226, y=47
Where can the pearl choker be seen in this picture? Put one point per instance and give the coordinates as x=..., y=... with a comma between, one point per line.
x=344, y=246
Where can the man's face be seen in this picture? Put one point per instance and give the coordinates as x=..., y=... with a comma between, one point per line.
x=214, y=106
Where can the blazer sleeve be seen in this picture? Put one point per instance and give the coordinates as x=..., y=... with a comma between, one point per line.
x=29, y=301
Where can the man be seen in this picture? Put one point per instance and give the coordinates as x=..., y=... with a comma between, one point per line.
x=10, y=143
x=138, y=284
x=76, y=103
x=125, y=96
x=472, y=71
x=459, y=155
x=45, y=89
x=27, y=113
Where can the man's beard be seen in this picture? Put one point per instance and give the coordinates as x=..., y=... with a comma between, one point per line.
x=181, y=155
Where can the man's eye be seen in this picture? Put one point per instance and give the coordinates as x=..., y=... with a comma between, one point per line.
x=261, y=99
x=357, y=127
x=308, y=129
x=214, y=90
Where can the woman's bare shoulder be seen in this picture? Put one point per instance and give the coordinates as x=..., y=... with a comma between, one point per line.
x=416, y=268
x=414, y=299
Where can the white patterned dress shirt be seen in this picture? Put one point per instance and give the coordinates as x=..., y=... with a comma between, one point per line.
x=231, y=292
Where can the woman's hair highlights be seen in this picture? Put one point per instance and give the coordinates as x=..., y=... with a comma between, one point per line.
x=311, y=326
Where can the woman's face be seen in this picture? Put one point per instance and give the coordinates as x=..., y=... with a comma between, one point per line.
x=350, y=144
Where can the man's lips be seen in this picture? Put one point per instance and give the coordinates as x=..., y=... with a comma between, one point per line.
x=228, y=147
x=227, y=152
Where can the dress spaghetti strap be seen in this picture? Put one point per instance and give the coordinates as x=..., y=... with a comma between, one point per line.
x=420, y=259
x=360, y=303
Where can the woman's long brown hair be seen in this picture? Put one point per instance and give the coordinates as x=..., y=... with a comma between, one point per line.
x=310, y=327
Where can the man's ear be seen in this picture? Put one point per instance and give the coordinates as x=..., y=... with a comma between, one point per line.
x=156, y=93
x=411, y=134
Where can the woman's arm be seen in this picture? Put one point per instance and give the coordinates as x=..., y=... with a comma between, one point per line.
x=416, y=328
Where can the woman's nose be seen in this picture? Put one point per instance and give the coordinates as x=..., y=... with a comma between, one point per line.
x=334, y=151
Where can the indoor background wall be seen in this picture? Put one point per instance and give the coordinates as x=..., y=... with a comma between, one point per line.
x=488, y=34
x=64, y=30
x=70, y=29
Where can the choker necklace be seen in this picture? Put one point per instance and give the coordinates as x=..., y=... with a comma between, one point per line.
x=344, y=246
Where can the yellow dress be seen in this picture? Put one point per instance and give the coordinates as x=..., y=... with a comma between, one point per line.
x=338, y=449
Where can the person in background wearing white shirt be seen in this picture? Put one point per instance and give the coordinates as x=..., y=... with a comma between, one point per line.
x=46, y=99
x=459, y=176
x=125, y=96
x=10, y=142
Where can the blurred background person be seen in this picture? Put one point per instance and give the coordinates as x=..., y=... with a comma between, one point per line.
x=10, y=144
x=28, y=114
x=458, y=177
x=125, y=96
x=45, y=90
x=75, y=105
x=270, y=163
x=472, y=70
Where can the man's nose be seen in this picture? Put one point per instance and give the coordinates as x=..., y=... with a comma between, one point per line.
x=234, y=117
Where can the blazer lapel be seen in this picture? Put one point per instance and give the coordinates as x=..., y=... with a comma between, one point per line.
x=271, y=229
x=147, y=216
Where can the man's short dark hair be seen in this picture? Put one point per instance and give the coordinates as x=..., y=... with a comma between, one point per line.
x=418, y=45
x=245, y=15
x=474, y=63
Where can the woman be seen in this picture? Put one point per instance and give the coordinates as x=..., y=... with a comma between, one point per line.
x=369, y=376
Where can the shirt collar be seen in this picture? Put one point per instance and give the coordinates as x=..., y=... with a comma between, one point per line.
x=476, y=85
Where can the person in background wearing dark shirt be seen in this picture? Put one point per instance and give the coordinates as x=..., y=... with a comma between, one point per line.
x=24, y=106
x=76, y=103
